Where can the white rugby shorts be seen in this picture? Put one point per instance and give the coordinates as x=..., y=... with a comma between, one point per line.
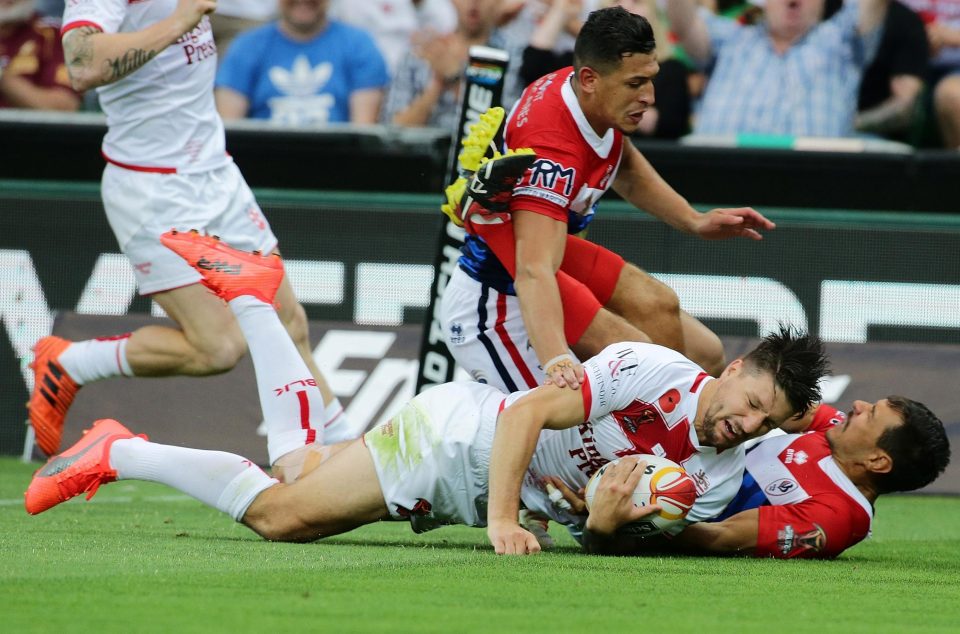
x=140, y=206
x=485, y=334
x=432, y=458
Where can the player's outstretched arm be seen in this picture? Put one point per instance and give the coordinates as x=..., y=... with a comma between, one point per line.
x=640, y=185
x=540, y=244
x=518, y=429
x=736, y=535
x=95, y=58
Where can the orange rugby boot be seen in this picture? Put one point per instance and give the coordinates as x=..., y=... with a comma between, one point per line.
x=80, y=469
x=53, y=393
x=226, y=271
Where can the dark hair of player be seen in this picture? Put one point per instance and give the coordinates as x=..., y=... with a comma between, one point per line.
x=919, y=448
x=796, y=361
x=608, y=36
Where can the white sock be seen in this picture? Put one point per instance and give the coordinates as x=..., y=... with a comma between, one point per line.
x=225, y=481
x=95, y=359
x=289, y=397
x=339, y=427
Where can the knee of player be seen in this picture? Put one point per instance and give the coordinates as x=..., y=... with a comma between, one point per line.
x=271, y=518
x=663, y=299
x=222, y=353
x=713, y=358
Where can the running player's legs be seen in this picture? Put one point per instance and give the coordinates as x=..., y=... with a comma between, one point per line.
x=207, y=341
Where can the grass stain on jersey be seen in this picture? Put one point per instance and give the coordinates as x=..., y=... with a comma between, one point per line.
x=403, y=440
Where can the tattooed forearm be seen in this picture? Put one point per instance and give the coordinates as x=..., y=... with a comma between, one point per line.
x=78, y=48
x=126, y=63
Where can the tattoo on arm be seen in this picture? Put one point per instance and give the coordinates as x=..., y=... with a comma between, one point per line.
x=126, y=63
x=78, y=48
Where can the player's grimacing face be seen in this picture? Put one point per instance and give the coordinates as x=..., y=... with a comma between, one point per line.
x=746, y=404
x=865, y=423
x=627, y=92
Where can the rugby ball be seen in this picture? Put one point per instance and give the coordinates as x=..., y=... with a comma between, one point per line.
x=664, y=483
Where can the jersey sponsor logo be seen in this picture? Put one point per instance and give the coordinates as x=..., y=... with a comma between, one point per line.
x=624, y=365
x=543, y=194
x=598, y=386
x=790, y=542
x=456, y=333
x=781, y=487
x=198, y=44
x=294, y=384
x=536, y=93
x=606, y=177
x=589, y=455
x=700, y=480
x=797, y=457
x=553, y=176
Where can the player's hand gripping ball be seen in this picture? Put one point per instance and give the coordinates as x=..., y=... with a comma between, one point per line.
x=664, y=483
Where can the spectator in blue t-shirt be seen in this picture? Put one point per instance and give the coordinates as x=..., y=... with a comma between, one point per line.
x=302, y=70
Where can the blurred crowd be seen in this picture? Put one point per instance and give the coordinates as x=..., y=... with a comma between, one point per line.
x=804, y=68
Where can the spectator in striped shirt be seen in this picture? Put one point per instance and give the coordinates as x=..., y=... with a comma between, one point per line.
x=793, y=73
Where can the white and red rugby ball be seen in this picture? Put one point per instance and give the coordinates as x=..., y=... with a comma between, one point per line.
x=664, y=483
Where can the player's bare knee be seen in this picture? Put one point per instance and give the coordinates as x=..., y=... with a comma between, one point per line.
x=710, y=353
x=660, y=299
x=271, y=517
x=222, y=353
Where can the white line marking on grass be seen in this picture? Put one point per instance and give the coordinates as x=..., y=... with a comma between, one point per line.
x=115, y=500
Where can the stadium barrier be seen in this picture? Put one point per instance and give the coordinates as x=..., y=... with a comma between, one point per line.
x=56, y=146
x=882, y=288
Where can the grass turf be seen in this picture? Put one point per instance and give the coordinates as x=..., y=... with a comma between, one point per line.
x=140, y=558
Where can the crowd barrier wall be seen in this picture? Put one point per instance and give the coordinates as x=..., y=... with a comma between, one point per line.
x=389, y=159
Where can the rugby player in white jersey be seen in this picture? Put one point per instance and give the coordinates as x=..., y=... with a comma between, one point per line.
x=153, y=65
x=461, y=453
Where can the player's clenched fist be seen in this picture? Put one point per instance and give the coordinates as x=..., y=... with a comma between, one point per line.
x=189, y=12
x=509, y=538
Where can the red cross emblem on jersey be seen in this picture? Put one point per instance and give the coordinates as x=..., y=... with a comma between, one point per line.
x=645, y=427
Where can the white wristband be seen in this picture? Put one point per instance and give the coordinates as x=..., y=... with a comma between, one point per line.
x=566, y=356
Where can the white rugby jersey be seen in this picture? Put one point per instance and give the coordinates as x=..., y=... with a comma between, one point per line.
x=639, y=399
x=162, y=117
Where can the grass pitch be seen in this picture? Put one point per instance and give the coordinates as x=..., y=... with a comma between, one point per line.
x=142, y=558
